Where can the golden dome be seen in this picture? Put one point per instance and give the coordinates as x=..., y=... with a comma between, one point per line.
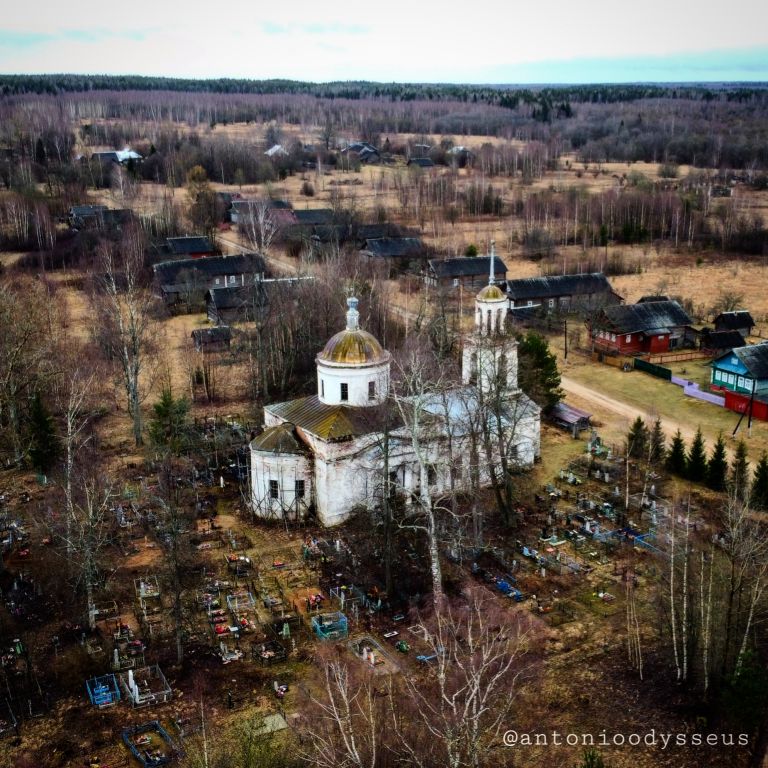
x=353, y=347
x=491, y=293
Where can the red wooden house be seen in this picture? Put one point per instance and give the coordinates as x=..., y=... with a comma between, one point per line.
x=649, y=327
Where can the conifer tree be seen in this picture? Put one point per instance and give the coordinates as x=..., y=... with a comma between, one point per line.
x=637, y=439
x=676, y=460
x=740, y=471
x=697, y=459
x=760, y=484
x=658, y=450
x=44, y=444
x=717, y=467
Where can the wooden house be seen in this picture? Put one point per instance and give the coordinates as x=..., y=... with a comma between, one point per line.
x=224, y=305
x=467, y=272
x=651, y=327
x=182, y=283
x=743, y=370
x=562, y=292
x=399, y=253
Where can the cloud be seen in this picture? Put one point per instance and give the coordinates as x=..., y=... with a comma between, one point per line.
x=21, y=39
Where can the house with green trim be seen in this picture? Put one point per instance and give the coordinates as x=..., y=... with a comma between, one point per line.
x=743, y=370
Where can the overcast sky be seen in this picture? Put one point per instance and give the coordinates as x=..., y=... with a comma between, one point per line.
x=485, y=41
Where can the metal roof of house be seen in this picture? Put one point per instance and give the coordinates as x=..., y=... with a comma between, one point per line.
x=329, y=422
x=651, y=298
x=168, y=272
x=86, y=210
x=236, y=297
x=467, y=266
x=558, y=285
x=732, y=320
x=650, y=317
x=393, y=247
x=754, y=357
x=314, y=216
x=189, y=244
x=276, y=149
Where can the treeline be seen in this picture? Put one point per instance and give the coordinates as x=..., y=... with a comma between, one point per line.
x=694, y=463
x=504, y=95
x=675, y=126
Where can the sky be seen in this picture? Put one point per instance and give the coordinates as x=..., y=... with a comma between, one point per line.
x=484, y=41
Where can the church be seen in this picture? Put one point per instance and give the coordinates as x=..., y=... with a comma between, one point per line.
x=327, y=453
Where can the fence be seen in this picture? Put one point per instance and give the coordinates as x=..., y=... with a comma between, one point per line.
x=678, y=357
x=691, y=388
x=617, y=361
x=655, y=370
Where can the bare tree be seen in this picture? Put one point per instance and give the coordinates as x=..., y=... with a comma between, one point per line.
x=87, y=533
x=479, y=655
x=414, y=396
x=258, y=225
x=125, y=311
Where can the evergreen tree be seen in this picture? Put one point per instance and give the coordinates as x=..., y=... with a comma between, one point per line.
x=658, y=449
x=168, y=425
x=740, y=471
x=760, y=483
x=538, y=376
x=717, y=468
x=637, y=439
x=697, y=459
x=676, y=461
x=44, y=444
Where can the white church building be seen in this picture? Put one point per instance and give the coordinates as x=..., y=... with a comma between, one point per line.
x=325, y=452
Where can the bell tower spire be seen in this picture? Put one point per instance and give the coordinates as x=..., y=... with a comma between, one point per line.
x=492, y=275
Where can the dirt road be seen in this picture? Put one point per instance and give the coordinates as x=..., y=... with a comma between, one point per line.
x=629, y=412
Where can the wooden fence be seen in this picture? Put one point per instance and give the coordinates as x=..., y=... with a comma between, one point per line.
x=677, y=357
x=617, y=361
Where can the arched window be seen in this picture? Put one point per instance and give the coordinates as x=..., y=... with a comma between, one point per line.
x=488, y=321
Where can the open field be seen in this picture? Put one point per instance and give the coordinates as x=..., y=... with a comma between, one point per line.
x=651, y=398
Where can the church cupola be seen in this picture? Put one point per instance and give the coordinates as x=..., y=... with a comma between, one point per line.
x=490, y=303
x=353, y=368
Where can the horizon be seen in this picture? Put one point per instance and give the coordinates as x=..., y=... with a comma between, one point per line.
x=418, y=83
x=495, y=44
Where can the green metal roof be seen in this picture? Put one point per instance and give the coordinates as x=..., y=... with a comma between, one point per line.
x=330, y=422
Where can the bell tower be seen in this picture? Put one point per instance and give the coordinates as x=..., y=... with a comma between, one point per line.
x=489, y=358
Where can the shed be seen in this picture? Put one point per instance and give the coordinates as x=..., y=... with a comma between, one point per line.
x=739, y=320
x=571, y=418
x=213, y=339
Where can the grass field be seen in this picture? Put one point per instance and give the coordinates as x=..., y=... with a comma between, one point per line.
x=656, y=397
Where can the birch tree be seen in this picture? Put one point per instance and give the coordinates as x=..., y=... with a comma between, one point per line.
x=480, y=656
x=125, y=313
